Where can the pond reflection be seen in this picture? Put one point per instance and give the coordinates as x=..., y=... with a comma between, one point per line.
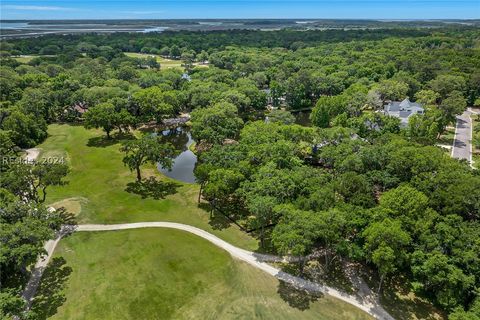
x=184, y=163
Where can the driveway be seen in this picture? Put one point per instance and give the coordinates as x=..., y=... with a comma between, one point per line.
x=462, y=148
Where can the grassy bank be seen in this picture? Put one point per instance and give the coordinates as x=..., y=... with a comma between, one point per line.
x=168, y=274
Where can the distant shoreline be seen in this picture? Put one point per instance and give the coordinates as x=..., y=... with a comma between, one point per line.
x=34, y=28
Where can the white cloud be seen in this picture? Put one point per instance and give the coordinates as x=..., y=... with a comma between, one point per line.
x=36, y=8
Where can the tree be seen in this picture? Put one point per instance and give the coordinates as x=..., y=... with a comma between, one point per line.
x=281, y=116
x=148, y=149
x=406, y=204
x=102, y=116
x=49, y=174
x=202, y=173
x=49, y=50
x=385, y=243
x=238, y=99
x=96, y=95
x=25, y=130
x=24, y=228
x=175, y=52
x=427, y=97
x=355, y=189
x=165, y=51
x=188, y=57
x=7, y=148
x=154, y=103
x=441, y=277
x=374, y=100
x=127, y=73
x=221, y=185
x=11, y=305
x=257, y=97
x=38, y=177
x=260, y=79
x=261, y=208
x=202, y=57
x=392, y=90
x=423, y=128
x=216, y=123
x=471, y=314
x=325, y=109
x=446, y=84
x=477, y=102
x=453, y=105
x=38, y=101
x=320, y=115
x=296, y=232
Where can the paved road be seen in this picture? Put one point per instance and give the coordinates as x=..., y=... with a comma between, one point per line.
x=365, y=301
x=462, y=148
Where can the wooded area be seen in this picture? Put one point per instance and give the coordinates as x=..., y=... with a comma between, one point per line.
x=356, y=185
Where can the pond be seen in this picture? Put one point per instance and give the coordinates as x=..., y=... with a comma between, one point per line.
x=184, y=163
x=303, y=118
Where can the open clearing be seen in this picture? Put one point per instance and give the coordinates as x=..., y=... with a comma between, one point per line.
x=98, y=174
x=164, y=62
x=167, y=274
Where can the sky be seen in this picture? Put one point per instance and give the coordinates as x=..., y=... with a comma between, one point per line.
x=202, y=9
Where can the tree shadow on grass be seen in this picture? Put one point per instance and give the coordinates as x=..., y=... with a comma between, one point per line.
x=402, y=304
x=103, y=141
x=51, y=295
x=297, y=298
x=152, y=188
x=398, y=298
x=218, y=221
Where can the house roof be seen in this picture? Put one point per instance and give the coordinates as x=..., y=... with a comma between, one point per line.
x=403, y=109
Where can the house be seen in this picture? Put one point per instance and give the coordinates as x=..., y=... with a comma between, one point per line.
x=187, y=77
x=403, y=110
x=80, y=107
x=271, y=103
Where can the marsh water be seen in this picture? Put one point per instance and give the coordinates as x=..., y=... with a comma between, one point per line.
x=184, y=163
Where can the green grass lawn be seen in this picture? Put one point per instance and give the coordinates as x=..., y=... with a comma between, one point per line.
x=166, y=63
x=27, y=58
x=167, y=274
x=447, y=137
x=97, y=183
x=24, y=59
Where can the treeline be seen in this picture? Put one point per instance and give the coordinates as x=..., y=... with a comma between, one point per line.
x=206, y=40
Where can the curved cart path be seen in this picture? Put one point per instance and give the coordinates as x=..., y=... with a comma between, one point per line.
x=366, y=301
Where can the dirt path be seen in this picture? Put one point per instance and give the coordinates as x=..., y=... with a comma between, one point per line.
x=363, y=301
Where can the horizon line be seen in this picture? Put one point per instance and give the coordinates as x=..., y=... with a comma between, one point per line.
x=297, y=18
